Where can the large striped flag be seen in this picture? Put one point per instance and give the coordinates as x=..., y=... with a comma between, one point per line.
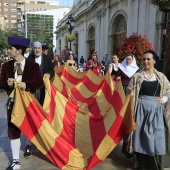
x=83, y=118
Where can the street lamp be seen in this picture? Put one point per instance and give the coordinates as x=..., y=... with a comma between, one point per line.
x=70, y=25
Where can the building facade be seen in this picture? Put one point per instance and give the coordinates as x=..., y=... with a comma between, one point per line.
x=14, y=12
x=103, y=25
x=8, y=9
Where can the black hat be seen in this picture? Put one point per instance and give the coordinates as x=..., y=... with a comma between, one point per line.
x=44, y=47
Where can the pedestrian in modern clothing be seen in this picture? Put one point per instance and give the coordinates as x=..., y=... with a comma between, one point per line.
x=150, y=91
x=106, y=61
x=82, y=61
x=27, y=74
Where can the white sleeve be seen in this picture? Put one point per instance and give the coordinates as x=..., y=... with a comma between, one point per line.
x=165, y=99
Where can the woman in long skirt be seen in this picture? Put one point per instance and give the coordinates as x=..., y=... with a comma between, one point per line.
x=150, y=91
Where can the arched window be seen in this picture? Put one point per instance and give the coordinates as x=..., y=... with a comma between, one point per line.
x=91, y=33
x=119, y=32
x=91, y=37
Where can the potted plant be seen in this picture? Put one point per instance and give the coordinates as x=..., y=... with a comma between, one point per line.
x=164, y=5
x=70, y=37
x=135, y=44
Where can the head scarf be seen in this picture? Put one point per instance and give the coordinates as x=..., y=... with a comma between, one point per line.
x=37, y=43
x=131, y=69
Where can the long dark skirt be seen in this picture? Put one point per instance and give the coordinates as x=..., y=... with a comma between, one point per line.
x=146, y=162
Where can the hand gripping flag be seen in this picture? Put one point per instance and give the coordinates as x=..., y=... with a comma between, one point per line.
x=83, y=118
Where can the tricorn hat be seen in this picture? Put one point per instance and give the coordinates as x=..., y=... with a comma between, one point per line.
x=25, y=42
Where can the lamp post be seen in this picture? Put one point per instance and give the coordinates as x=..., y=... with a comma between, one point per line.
x=164, y=7
x=70, y=25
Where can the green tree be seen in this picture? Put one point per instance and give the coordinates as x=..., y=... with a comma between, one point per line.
x=4, y=34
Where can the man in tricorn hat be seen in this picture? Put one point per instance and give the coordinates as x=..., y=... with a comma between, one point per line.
x=28, y=76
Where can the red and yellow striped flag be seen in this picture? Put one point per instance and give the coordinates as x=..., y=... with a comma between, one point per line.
x=83, y=118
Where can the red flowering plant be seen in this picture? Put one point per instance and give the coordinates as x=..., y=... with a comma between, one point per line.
x=135, y=44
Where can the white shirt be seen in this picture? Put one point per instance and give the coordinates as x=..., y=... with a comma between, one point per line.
x=19, y=77
x=38, y=60
x=112, y=65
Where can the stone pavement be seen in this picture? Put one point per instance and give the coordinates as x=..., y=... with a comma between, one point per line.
x=115, y=161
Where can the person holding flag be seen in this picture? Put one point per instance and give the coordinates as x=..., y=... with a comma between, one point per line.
x=24, y=74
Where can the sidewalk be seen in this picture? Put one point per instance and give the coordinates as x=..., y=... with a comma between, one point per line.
x=115, y=161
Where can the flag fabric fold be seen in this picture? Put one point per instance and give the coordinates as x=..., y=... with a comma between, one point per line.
x=83, y=118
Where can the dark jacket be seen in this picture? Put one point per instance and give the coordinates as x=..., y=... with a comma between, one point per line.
x=46, y=64
x=31, y=76
x=45, y=67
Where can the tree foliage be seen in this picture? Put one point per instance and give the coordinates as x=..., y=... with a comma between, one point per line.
x=4, y=34
x=156, y=2
x=135, y=44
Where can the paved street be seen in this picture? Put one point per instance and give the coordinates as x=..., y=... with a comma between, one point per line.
x=115, y=161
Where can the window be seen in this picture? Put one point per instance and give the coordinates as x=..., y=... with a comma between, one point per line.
x=13, y=10
x=5, y=9
x=119, y=30
x=13, y=4
x=19, y=25
x=121, y=25
x=5, y=4
x=13, y=16
x=14, y=26
x=14, y=32
x=91, y=33
x=13, y=21
x=5, y=15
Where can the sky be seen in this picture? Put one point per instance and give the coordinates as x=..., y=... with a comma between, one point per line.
x=66, y=2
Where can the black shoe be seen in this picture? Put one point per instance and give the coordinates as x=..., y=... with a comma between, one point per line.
x=27, y=153
x=15, y=165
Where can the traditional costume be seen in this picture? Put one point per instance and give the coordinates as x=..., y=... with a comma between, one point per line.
x=22, y=70
x=126, y=72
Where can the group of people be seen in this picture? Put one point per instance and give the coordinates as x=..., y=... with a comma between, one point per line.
x=149, y=88
x=150, y=91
